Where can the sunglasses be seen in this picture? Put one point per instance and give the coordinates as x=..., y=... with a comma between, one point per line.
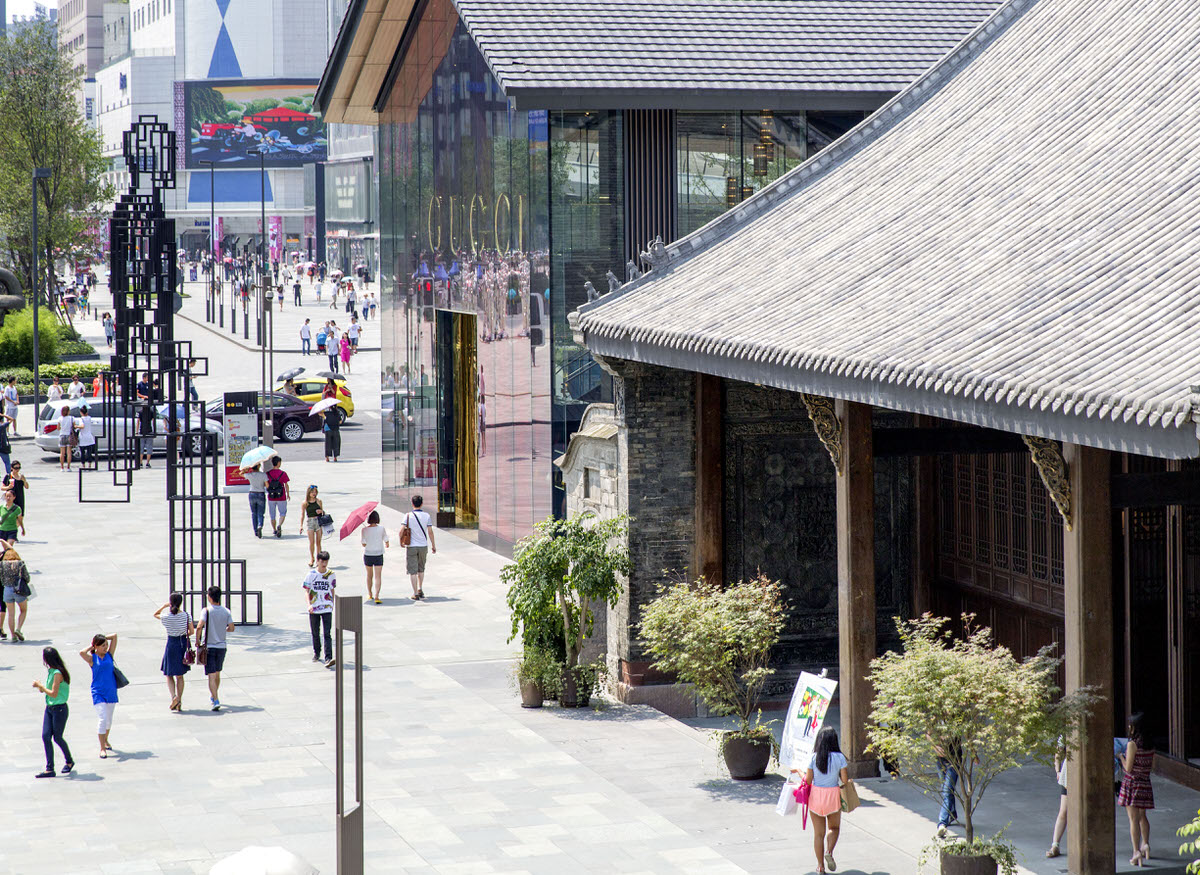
x=312, y=486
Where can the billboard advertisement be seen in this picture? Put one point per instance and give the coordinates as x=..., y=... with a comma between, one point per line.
x=806, y=713
x=276, y=237
x=240, y=419
x=233, y=122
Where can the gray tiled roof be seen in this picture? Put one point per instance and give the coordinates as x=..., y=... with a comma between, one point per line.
x=1013, y=241
x=579, y=52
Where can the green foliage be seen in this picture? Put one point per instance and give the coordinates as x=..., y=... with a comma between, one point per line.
x=75, y=347
x=719, y=640
x=16, y=338
x=87, y=372
x=207, y=104
x=1190, y=848
x=562, y=569
x=539, y=667
x=997, y=847
x=44, y=128
x=589, y=677
x=970, y=702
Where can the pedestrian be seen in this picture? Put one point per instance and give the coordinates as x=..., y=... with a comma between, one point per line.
x=372, y=306
x=179, y=632
x=11, y=401
x=278, y=295
x=278, y=494
x=374, y=540
x=104, y=685
x=15, y=482
x=147, y=425
x=215, y=623
x=75, y=390
x=330, y=389
x=87, y=439
x=191, y=381
x=67, y=439
x=319, y=587
x=335, y=288
x=1137, y=793
x=306, y=338
x=258, y=498
x=296, y=291
x=332, y=428
x=56, y=689
x=313, y=509
x=110, y=328
x=347, y=352
x=354, y=331
x=948, y=811
x=11, y=518
x=97, y=386
x=420, y=545
x=55, y=392
x=351, y=296
x=15, y=577
x=1060, y=822
x=333, y=346
x=827, y=771
x=322, y=333
x=5, y=444
x=319, y=284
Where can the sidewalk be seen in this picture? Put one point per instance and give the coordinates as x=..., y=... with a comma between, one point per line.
x=459, y=778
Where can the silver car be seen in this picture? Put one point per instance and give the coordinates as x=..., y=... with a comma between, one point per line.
x=51, y=415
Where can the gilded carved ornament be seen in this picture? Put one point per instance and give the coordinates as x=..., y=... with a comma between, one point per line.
x=1048, y=457
x=827, y=426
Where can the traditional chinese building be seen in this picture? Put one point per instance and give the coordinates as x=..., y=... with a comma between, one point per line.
x=951, y=364
x=526, y=149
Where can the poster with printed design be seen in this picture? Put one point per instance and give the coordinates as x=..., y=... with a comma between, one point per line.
x=806, y=715
x=275, y=236
x=240, y=418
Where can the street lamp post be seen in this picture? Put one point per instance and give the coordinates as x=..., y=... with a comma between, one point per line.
x=266, y=318
x=38, y=173
x=214, y=284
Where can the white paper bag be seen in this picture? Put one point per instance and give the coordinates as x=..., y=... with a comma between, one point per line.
x=787, y=800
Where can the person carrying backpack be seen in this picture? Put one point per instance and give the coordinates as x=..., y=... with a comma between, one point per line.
x=278, y=494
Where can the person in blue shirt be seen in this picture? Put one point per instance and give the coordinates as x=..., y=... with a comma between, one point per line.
x=827, y=771
x=104, y=685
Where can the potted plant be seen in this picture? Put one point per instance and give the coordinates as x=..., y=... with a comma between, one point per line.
x=1191, y=830
x=589, y=677
x=558, y=573
x=963, y=703
x=720, y=641
x=537, y=675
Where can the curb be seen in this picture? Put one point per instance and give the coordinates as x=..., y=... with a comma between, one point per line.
x=250, y=347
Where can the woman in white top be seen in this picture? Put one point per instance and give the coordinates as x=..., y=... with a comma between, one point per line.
x=374, y=540
x=87, y=439
x=55, y=392
x=179, y=632
x=66, y=431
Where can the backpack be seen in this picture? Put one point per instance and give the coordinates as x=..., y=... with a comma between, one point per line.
x=275, y=490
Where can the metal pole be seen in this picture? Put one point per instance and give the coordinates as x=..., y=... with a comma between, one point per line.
x=266, y=317
x=38, y=173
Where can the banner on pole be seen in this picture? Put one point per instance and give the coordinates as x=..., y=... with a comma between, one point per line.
x=240, y=418
x=275, y=224
x=219, y=236
x=806, y=714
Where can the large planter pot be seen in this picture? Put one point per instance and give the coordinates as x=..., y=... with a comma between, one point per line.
x=953, y=864
x=747, y=758
x=531, y=694
x=568, y=692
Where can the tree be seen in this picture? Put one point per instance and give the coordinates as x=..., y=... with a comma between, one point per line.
x=559, y=572
x=207, y=104
x=43, y=127
x=1190, y=831
x=970, y=703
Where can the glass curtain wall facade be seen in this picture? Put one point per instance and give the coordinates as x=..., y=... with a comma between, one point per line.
x=465, y=273
x=491, y=221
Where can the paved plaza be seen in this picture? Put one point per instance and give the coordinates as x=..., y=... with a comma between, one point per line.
x=459, y=778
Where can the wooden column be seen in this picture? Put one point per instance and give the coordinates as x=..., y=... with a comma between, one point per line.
x=709, y=554
x=1087, y=567
x=856, y=582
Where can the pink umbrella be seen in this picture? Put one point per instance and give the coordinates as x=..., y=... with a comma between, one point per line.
x=356, y=518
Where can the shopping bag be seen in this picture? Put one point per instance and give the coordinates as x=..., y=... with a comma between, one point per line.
x=787, y=803
x=849, y=796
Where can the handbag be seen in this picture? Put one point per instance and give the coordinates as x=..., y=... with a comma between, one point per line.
x=119, y=679
x=202, y=650
x=22, y=588
x=405, y=533
x=189, y=652
x=849, y=796
x=801, y=793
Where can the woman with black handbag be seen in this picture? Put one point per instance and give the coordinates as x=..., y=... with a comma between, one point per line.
x=105, y=681
x=178, y=656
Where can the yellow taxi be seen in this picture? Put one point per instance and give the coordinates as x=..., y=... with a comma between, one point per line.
x=311, y=388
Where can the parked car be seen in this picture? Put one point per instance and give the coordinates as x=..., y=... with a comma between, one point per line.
x=100, y=409
x=310, y=389
x=291, y=415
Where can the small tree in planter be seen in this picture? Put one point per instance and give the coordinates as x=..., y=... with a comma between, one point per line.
x=720, y=641
x=537, y=674
x=971, y=704
x=1188, y=848
x=558, y=573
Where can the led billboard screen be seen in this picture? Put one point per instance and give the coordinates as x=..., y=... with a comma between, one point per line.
x=232, y=122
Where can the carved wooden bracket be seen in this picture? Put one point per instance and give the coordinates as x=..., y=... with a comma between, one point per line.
x=1048, y=457
x=827, y=426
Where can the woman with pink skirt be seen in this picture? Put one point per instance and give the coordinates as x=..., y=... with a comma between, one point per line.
x=826, y=773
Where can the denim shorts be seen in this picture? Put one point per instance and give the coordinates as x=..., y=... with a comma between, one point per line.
x=372, y=561
x=11, y=596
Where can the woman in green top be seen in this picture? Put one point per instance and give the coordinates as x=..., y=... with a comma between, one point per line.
x=56, y=688
x=11, y=518
x=311, y=521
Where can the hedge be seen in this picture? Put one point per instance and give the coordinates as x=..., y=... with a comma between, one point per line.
x=87, y=372
x=16, y=337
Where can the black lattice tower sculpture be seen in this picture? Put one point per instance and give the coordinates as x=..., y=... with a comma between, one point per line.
x=143, y=281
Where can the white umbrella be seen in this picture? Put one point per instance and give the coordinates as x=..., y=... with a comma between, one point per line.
x=322, y=405
x=256, y=456
x=263, y=861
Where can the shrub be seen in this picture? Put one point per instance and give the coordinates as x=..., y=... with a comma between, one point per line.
x=16, y=338
x=1190, y=831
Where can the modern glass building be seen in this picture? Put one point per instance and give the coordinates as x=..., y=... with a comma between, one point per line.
x=523, y=154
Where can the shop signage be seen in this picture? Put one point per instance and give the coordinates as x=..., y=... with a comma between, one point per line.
x=240, y=419
x=275, y=231
x=477, y=223
x=806, y=713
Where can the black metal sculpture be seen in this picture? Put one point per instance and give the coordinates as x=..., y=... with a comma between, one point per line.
x=142, y=278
